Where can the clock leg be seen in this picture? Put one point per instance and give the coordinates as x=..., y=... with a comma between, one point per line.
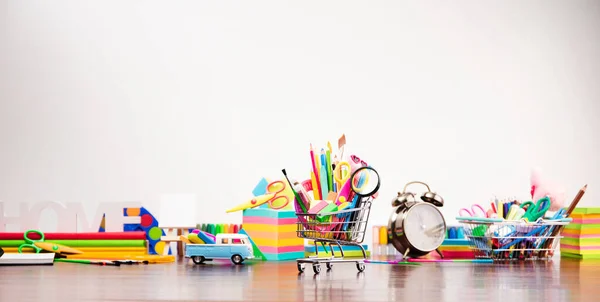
x=405, y=253
x=439, y=253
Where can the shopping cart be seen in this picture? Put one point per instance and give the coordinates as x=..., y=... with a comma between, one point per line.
x=513, y=240
x=340, y=228
x=348, y=231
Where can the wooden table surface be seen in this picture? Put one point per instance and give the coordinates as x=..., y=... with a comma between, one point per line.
x=556, y=280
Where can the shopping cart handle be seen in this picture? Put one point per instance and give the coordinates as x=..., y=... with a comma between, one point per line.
x=482, y=219
x=338, y=212
x=558, y=220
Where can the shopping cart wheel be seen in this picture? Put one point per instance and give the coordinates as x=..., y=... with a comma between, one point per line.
x=360, y=267
x=301, y=268
x=329, y=266
x=317, y=268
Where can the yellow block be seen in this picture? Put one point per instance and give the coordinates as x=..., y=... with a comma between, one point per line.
x=87, y=249
x=270, y=228
x=278, y=243
x=272, y=235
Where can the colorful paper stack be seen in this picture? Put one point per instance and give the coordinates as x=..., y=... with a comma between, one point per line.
x=457, y=249
x=456, y=245
x=93, y=245
x=581, y=237
x=273, y=233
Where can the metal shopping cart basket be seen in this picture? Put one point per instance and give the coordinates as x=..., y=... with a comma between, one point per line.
x=513, y=240
x=346, y=227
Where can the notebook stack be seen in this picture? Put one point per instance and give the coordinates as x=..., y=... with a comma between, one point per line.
x=581, y=237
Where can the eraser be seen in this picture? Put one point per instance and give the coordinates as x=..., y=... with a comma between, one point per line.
x=184, y=239
x=317, y=206
x=330, y=207
x=193, y=238
x=343, y=205
x=332, y=196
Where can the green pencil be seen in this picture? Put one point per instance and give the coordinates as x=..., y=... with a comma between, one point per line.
x=84, y=261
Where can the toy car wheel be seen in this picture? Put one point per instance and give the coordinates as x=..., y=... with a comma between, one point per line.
x=300, y=268
x=237, y=259
x=198, y=259
x=360, y=267
x=316, y=268
x=329, y=266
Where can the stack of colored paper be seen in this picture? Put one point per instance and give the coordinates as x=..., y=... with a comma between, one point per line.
x=581, y=237
x=273, y=233
x=457, y=249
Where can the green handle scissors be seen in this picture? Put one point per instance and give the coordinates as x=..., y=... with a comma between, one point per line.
x=30, y=242
x=536, y=210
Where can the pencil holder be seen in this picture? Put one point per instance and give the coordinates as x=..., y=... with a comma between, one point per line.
x=512, y=240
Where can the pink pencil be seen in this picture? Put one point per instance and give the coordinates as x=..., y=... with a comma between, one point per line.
x=312, y=158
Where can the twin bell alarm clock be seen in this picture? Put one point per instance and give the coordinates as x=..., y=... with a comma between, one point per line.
x=417, y=227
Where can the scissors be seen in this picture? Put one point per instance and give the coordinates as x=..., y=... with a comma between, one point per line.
x=40, y=245
x=536, y=210
x=275, y=198
x=464, y=212
x=340, y=175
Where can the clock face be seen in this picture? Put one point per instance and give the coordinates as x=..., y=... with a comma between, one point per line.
x=424, y=227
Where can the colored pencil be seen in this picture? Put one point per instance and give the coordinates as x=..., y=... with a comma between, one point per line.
x=316, y=172
x=85, y=261
x=329, y=170
x=392, y=262
x=87, y=249
x=452, y=260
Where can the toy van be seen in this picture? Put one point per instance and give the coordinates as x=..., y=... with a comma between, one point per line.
x=236, y=247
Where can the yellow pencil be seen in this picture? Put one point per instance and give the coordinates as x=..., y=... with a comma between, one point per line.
x=315, y=188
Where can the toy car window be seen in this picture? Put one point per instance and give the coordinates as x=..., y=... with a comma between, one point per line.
x=224, y=241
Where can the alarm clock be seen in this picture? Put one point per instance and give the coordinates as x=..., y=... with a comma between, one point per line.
x=417, y=228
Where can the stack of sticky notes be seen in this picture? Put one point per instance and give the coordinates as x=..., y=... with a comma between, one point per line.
x=581, y=237
x=273, y=233
x=457, y=249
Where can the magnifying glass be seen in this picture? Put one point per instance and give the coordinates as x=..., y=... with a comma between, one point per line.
x=365, y=182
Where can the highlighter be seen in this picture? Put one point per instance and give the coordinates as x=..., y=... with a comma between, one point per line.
x=375, y=240
x=383, y=240
x=500, y=209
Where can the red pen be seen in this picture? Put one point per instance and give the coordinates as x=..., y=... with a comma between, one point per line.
x=494, y=207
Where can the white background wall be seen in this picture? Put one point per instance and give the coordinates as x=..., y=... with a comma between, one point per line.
x=130, y=100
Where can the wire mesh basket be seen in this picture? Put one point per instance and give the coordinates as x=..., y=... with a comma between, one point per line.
x=513, y=240
x=343, y=227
